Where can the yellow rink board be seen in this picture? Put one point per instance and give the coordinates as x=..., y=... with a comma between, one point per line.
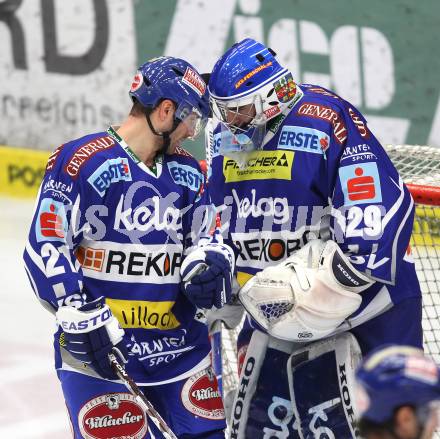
x=426, y=231
x=21, y=171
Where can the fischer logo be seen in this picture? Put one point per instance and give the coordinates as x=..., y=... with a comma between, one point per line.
x=194, y=80
x=276, y=207
x=83, y=154
x=260, y=165
x=116, y=415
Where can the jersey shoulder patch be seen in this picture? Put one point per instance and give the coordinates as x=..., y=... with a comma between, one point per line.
x=326, y=111
x=82, y=150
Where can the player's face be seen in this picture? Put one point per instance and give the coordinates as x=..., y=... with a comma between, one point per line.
x=240, y=116
x=181, y=133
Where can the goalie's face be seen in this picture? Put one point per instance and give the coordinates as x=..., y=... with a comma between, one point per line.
x=242, y=126
x=239, y=117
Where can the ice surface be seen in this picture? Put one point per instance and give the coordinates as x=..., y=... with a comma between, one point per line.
x=31, y=403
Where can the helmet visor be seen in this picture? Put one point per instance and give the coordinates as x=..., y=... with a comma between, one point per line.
x=192, y=118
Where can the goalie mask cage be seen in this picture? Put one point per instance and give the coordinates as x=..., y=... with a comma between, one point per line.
x=419, y=167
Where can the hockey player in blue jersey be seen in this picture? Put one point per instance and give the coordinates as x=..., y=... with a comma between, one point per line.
x=398, y=394
x=320, y=222
x=116, y=229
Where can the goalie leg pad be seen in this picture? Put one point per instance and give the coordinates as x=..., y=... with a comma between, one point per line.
x=321, y=382
x=262, y=408
x=250, y=371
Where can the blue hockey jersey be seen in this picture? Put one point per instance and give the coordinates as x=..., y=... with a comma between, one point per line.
x=320, y=173
x=107, y=225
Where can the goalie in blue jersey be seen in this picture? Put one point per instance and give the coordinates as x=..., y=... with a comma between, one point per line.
x=320, y=223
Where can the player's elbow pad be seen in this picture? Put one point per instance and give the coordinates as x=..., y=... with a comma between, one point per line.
x=308, y=295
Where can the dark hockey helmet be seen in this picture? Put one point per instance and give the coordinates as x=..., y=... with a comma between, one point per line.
x=177, y=80
x=248, y=81
x=393, y=376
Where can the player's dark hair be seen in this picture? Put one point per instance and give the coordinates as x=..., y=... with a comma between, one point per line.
x=137, y=109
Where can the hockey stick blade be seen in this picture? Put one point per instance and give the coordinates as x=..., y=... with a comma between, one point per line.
x=151, y=412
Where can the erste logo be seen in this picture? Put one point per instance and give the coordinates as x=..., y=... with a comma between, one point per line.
x=303, y=139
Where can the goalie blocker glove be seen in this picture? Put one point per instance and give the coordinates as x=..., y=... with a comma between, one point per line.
x=207, y=275
x=308, y=295
x=91, y=333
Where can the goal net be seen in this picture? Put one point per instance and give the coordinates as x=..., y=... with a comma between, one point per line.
x=419, y=166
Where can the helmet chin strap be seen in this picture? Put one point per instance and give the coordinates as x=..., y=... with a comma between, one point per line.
x=165, y=135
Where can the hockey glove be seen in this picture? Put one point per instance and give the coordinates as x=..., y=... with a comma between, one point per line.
x=207, y=275
x=91, y=333
x=307, y=296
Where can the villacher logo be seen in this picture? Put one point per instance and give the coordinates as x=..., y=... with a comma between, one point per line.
x=115, y=415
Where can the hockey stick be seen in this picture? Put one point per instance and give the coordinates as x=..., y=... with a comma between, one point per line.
x=141, y=398
x=215, y=334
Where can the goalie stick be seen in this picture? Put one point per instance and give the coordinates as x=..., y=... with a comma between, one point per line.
x=141, y=398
